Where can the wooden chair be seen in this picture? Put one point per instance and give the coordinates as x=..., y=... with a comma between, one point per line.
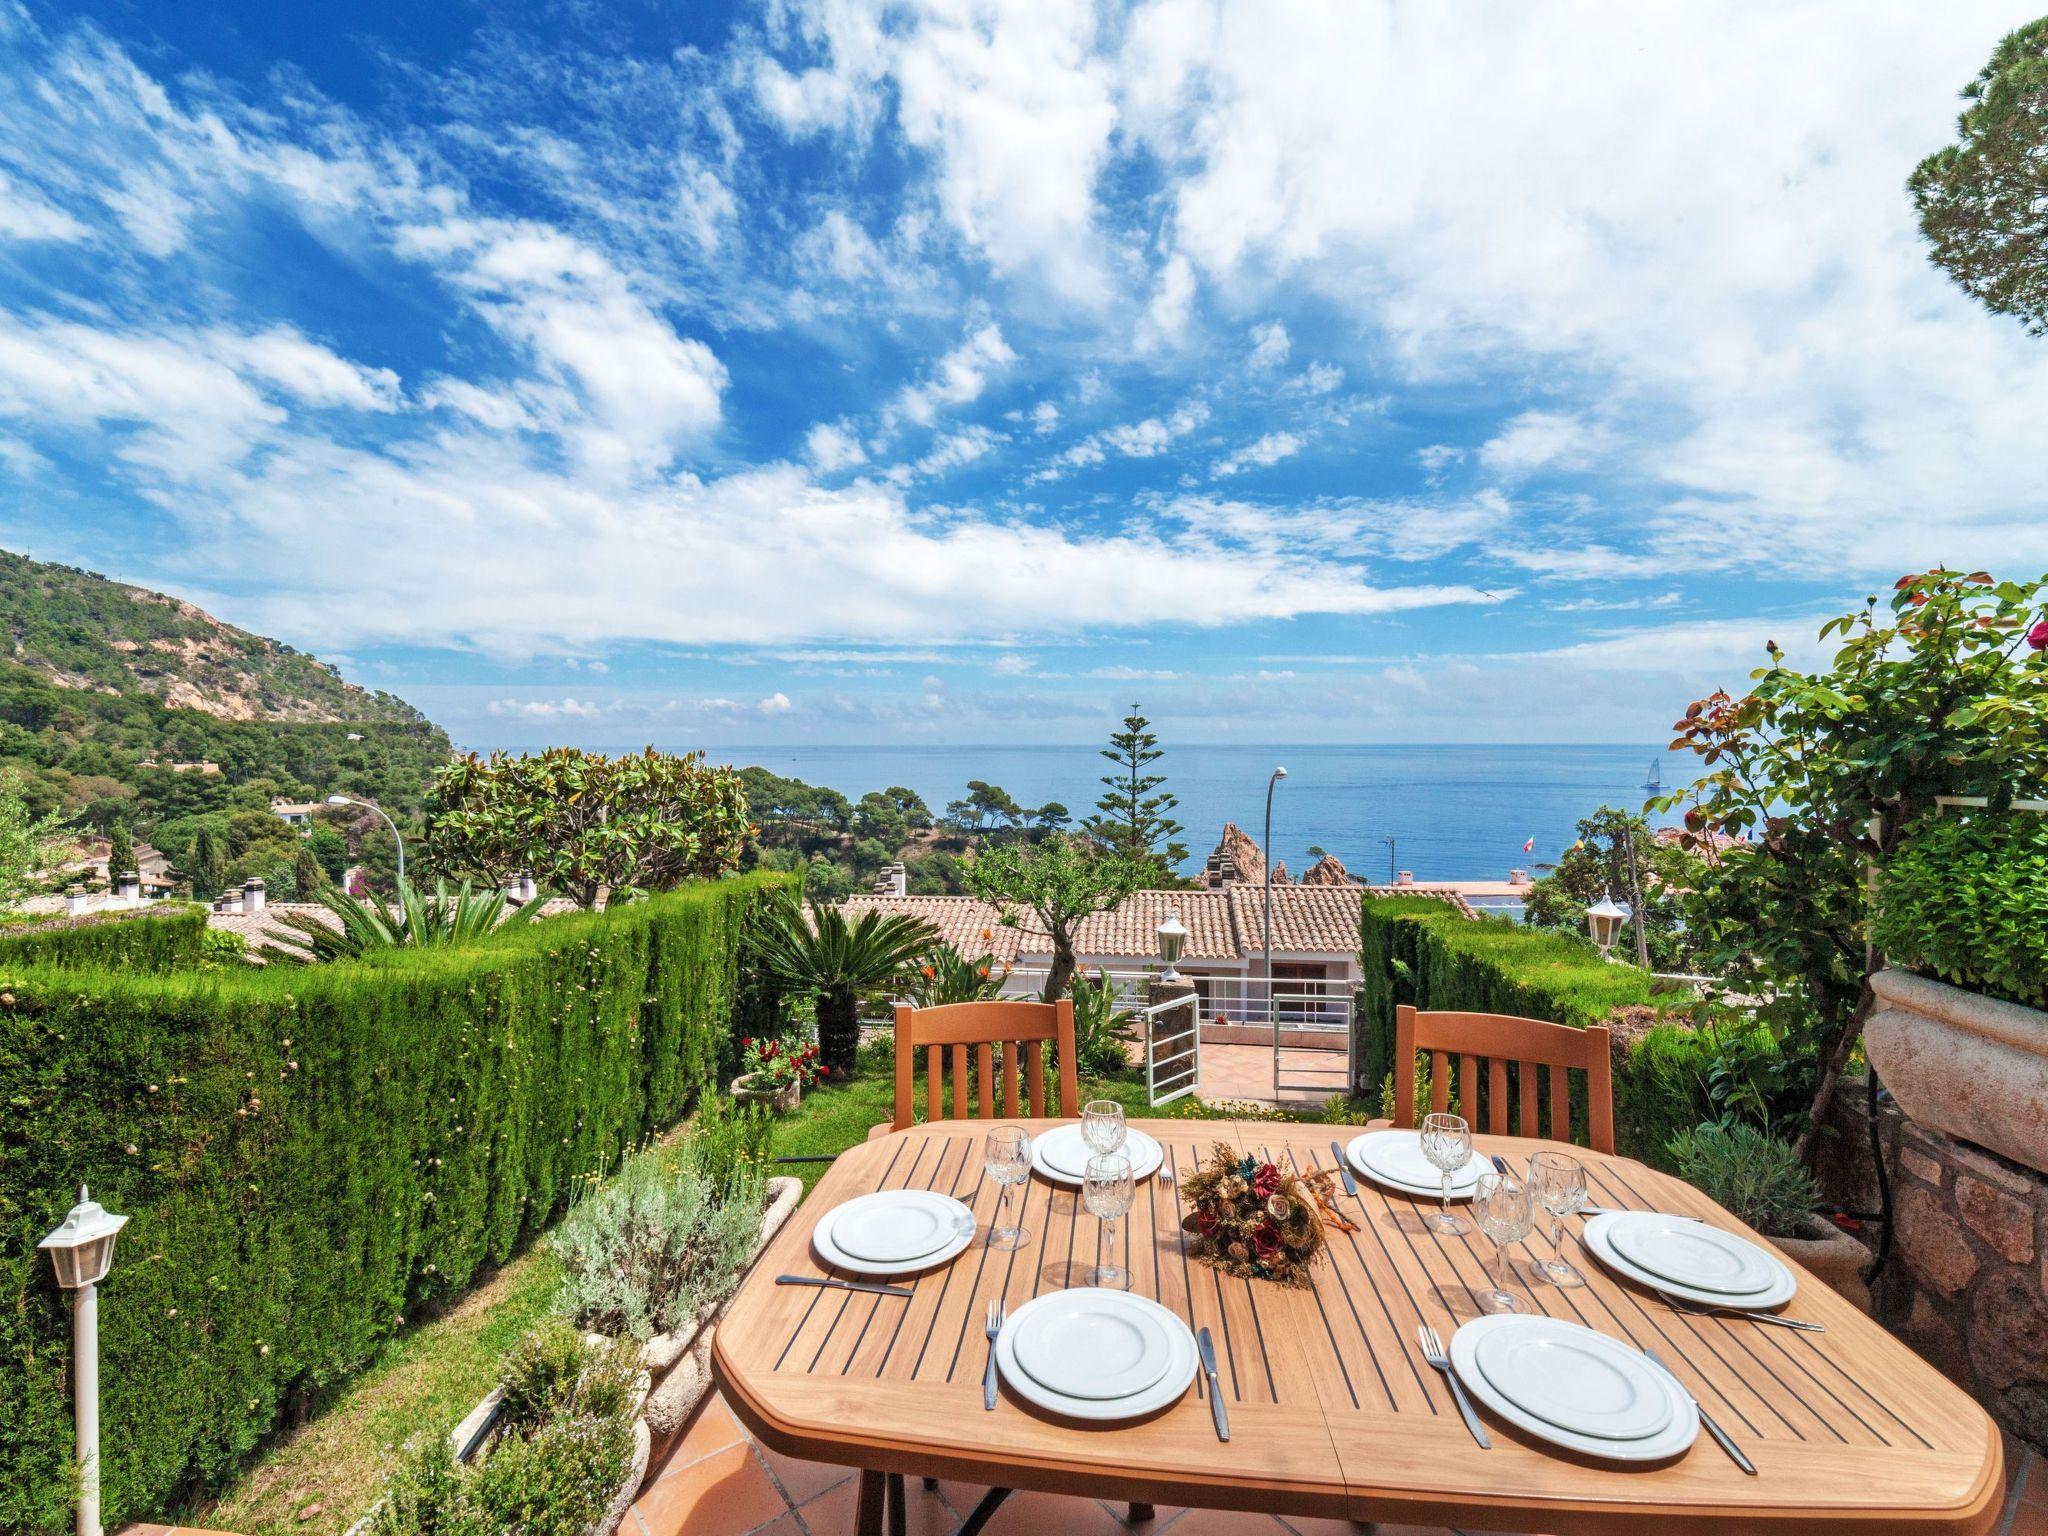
x=1499, y=1040
x=1020, y=1028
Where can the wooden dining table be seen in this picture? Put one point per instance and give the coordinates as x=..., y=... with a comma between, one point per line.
x=1333, y=1409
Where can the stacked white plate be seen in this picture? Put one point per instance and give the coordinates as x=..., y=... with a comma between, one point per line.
x=1574, y=1388
x=893, y=1232
x=1394, y=1158
x=1062, y=1156
x=1092, y=1354
x=1690, y=1259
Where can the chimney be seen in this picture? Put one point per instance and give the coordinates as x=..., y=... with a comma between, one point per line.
x=1518, y=877
x=128, y=887
x=520, y=888
x=1406, y=877
x=894, y=880
x=74, y=901
x=252, y=896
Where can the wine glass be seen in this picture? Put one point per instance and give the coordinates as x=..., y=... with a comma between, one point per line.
x=1107, y=1190
x=1560, y=1181
x=1006, y=1158
x=1447, y=1143
x=1506, y=1211
x=1102, y=1126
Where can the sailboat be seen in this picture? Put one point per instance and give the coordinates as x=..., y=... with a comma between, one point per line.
x=1656, y=779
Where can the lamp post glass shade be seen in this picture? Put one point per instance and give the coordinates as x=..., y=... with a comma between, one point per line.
x=1604, y=920
x=81, y=1249
x=1173, y=942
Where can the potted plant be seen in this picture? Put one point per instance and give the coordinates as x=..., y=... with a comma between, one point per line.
x=1760, y=1180
x=1959, y=1034
x=775, y=1074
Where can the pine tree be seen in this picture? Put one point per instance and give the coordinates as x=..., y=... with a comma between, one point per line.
x=120, y=853
x=307, y=874
x=1133, y=811
x=208, y=863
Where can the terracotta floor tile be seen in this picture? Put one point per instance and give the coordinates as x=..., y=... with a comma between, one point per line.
x=1043, y=1514
x=724, y=1494
x=831, y=1513
x=712, y=1428
x=2028, y=1520
x=2034, y=1487
x=1306, y=1525
x=1227, y=1522
x=802, y=1481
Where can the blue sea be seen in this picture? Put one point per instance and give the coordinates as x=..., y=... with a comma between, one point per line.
x=1454, y=812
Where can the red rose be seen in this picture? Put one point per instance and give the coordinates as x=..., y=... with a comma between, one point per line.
x=1266, y=1241
x=1205, y=1221
x=2037, y=637
x=1266, y=1181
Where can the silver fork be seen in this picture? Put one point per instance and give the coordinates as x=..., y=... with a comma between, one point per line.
x=1694, y=1309
x=1433, y=1352
x=988, y=1377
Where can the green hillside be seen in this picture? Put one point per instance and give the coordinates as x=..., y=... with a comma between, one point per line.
x=104, y=686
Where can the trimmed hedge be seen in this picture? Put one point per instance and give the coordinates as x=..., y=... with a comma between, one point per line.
x=1962, y=899
x=310, y=1154
x=152, y=940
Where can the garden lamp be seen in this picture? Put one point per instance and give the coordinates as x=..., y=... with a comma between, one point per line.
x=1173, y=939
x=81, y=1251
x=371, y=805
x=1604, y=919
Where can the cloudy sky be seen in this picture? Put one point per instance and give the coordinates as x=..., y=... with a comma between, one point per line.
x=961, y=370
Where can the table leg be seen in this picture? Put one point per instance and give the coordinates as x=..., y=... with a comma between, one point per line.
x=984, y=1512
x=867, y=1519
x=899, y=1516
x=1141, y=1512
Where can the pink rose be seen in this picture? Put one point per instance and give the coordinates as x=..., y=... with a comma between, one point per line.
x=1266, y=1181
x=2037, y=637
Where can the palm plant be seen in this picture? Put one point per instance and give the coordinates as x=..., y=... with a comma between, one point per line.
x=463, y=916
x=819, y=950
x=945, y=975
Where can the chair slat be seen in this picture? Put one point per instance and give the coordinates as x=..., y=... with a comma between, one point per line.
x=1034, y=1070
x=1468, y=1088
x=1525, y=1082
x=1497, y=1096
x=985, y=1069
x=1560, y=1104
x=1439, y=1082
x=959, y=1082
x=1016, y=1110
x=935, y=1084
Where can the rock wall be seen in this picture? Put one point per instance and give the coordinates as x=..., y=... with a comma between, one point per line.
x=1967, y=1281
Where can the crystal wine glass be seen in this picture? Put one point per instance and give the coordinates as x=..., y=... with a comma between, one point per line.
x=1560, y=1181
x=1507, y=1211
x=1102, y=1126
x=1107, y=1190
x=1447, y=1143
x=1006, y=1158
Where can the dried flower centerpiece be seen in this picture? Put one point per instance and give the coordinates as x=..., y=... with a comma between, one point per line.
x=1257, y=1221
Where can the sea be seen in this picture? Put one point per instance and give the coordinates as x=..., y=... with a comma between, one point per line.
x=1451, y=812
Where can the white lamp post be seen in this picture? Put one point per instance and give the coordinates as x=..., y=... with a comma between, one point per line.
x=1604, y=920
x=371, y=805
x=1173, y=938
x=82, y=1251
x=1272, y=1020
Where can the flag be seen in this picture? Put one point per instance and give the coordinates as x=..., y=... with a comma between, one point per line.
x=1529, y=846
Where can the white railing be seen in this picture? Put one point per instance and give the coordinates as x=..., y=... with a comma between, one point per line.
x=1173, y=1056
x=1294, y=1003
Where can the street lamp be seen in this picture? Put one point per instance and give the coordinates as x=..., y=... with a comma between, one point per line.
x=1393, y=871
x=1173, y=938
x=81, y=1251
x=1604, y=920
x=1272, y=1022
x=371, y=805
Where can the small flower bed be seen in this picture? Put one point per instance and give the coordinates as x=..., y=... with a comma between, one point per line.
x=776, y=1064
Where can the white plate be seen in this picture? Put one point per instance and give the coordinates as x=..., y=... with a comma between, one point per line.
x=1394, y=1158
x=1673, y=1440
x=894, y=1226
x=1575, y=1379
x=1600, y=1245
x=1168, y=1389
x=1692, y=1253
x=829, y=1250
x=1062, y=1149
x=1092, y=1344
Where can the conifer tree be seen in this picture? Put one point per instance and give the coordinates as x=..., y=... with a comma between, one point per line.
x=120, y=853
x=1133, y=814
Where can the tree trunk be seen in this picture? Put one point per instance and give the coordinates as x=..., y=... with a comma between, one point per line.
x=839, y=1030
x=1061, y=971
x=1831, y=1072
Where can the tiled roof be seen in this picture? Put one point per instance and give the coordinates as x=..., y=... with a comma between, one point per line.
x=1311, y=919
x=1130, y=931
x=973, y=927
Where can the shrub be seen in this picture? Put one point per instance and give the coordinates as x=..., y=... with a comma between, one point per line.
x=1961, y=900
x=308, y=1154
x=1757, y=1177
x=152, y=941
x=728, y=1144
x=1101, y=1028
x=659, y=1242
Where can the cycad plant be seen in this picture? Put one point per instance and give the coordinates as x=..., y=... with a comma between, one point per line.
x=817, y=949
x=463, y=916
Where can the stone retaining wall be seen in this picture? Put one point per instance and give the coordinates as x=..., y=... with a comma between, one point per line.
x=1967, y=1283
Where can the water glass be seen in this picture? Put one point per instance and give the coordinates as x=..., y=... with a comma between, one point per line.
x=1102, y=1126
x=1560, y=1181
x=1506, y=1209
x=1006, y=1158
x=1107, y=1189
x=1447, y=1143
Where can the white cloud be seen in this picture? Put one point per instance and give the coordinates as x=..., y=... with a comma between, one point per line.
x=1540, y=440
x=1045, y=417
x=547, y=709
x=1144, y=439
x=1270, y=346
x=307, y=371
x=960, y=377
x=1316, y=379
x=774, y=704
x=1010, y=664
x=958, y=448
x=1262, y=454
x=833, y=447
x=1165, y=321
x=26, y=215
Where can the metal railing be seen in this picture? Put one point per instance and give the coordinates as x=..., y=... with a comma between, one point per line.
x=1173, y=1058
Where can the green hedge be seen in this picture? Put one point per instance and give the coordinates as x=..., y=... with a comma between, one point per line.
x=308, y=1155
x=153, y=940
x=1962, y=899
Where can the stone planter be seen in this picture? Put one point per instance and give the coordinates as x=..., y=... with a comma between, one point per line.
x=749, y=1090
x=1831, y=1256
x=1964, y=1064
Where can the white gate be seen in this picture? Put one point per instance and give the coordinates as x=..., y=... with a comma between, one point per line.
x=1173, y=1048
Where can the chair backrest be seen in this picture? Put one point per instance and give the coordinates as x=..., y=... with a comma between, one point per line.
x=1500, y=1039
x=1020, y=1028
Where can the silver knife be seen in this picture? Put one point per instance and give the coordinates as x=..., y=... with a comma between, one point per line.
x=1720, y=1435
x=843, y=1285
x=1500, y=1166
x=1344, y=1169
x=1207, y=1347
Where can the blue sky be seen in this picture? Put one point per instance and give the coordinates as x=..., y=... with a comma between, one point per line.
x=958, y=371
